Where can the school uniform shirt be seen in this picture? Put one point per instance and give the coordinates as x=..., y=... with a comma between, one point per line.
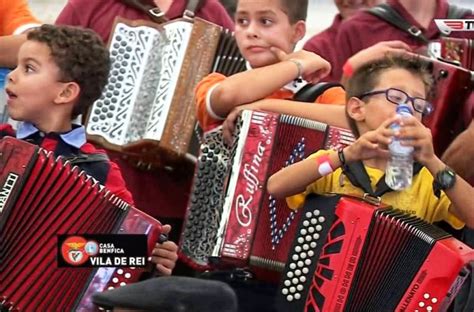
x=418, y=199
x=16, y=17
x=363, y=30
x=70, y=144
x=323, y=43
x=208, y=119
x=99, y=15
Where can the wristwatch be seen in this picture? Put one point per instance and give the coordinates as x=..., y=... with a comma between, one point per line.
x=444, y=180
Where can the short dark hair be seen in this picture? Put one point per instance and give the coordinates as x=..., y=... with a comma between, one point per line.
x=367, y=77
x=81, y=57
x=296, y=10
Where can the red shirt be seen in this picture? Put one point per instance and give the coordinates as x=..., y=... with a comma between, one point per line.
x=323, y=43
x=364, y=30
x=99, y=15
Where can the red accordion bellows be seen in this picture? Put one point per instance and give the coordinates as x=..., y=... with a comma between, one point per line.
x=40, y=198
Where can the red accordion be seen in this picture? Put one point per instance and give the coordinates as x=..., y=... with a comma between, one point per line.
x=457, y=50
x=451, y=90
x=353, y=256
x=41, y=197
x=231, y=218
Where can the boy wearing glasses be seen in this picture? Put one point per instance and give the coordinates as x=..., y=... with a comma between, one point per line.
x=373, y=92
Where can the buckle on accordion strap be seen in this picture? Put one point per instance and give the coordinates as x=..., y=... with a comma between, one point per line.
x=188, y=14
x=415, y=31
x=374, y=200
x=157, y=15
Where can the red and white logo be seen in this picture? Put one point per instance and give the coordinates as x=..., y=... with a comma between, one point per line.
x=446, y=26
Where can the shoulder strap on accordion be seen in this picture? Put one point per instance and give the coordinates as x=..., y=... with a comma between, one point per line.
x=156, y=14
x=310, y=92
x=357, y=175
x=153, y=12
x=192, y=7
x=86, y=158
x=385, y=12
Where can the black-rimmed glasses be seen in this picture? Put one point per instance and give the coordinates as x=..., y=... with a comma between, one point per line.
x=397, y=96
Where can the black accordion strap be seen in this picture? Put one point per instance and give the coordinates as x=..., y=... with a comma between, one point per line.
x=310, y=92
x=385, y=12
x=357, y=175
x=86, y=158
x=192, y=7
x=152, y=11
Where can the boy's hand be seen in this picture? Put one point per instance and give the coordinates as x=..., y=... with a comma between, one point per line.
x=314, y=67
x=414, y=133
x=372, y=144
x=378, y=51
x=165, y=255
x=228, y=126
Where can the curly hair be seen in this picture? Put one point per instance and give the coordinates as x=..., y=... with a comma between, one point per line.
x=81, y=57
x=367, y=77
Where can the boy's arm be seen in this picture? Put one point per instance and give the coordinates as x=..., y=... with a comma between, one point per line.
x=294, y=179
x=256, y=84
x=9, y=46
x=460, y=153
x=333, y=115
x=461, y=194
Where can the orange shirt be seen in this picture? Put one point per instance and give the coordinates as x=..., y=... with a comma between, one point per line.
x=209, y=120
x=15, y=17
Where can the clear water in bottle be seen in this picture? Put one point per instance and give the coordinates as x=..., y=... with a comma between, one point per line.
x=399, y=171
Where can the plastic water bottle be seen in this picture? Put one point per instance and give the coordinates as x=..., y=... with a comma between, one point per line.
x=399, y=171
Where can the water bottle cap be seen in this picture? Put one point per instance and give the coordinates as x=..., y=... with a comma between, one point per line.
x=404, y=108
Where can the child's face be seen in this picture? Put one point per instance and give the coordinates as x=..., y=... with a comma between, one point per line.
x=34, y=84
x=378, y=109
x=261, y=24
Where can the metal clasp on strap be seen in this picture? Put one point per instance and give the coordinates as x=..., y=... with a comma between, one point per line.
x=188, y=14
x=156, y=12
x=415, y=31
x=374, y=200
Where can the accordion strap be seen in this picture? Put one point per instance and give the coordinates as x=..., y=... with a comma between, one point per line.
x=153, y=12
x=156, y=14
x=357, y=175
x=86, y=158
x=385, y=12
x=192, y=7
x=311, y=92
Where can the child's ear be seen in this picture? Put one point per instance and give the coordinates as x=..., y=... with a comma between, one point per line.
x=356, y=109
x=69, y=92
x=299, y=30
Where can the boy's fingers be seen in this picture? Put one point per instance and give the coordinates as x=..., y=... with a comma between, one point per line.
x=165, y=229
x=397, y=44
x=279, y=53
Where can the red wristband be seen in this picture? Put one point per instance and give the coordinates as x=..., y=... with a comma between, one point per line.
x=347, y=69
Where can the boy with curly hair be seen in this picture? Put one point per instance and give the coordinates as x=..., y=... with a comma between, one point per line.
x=61, y=71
